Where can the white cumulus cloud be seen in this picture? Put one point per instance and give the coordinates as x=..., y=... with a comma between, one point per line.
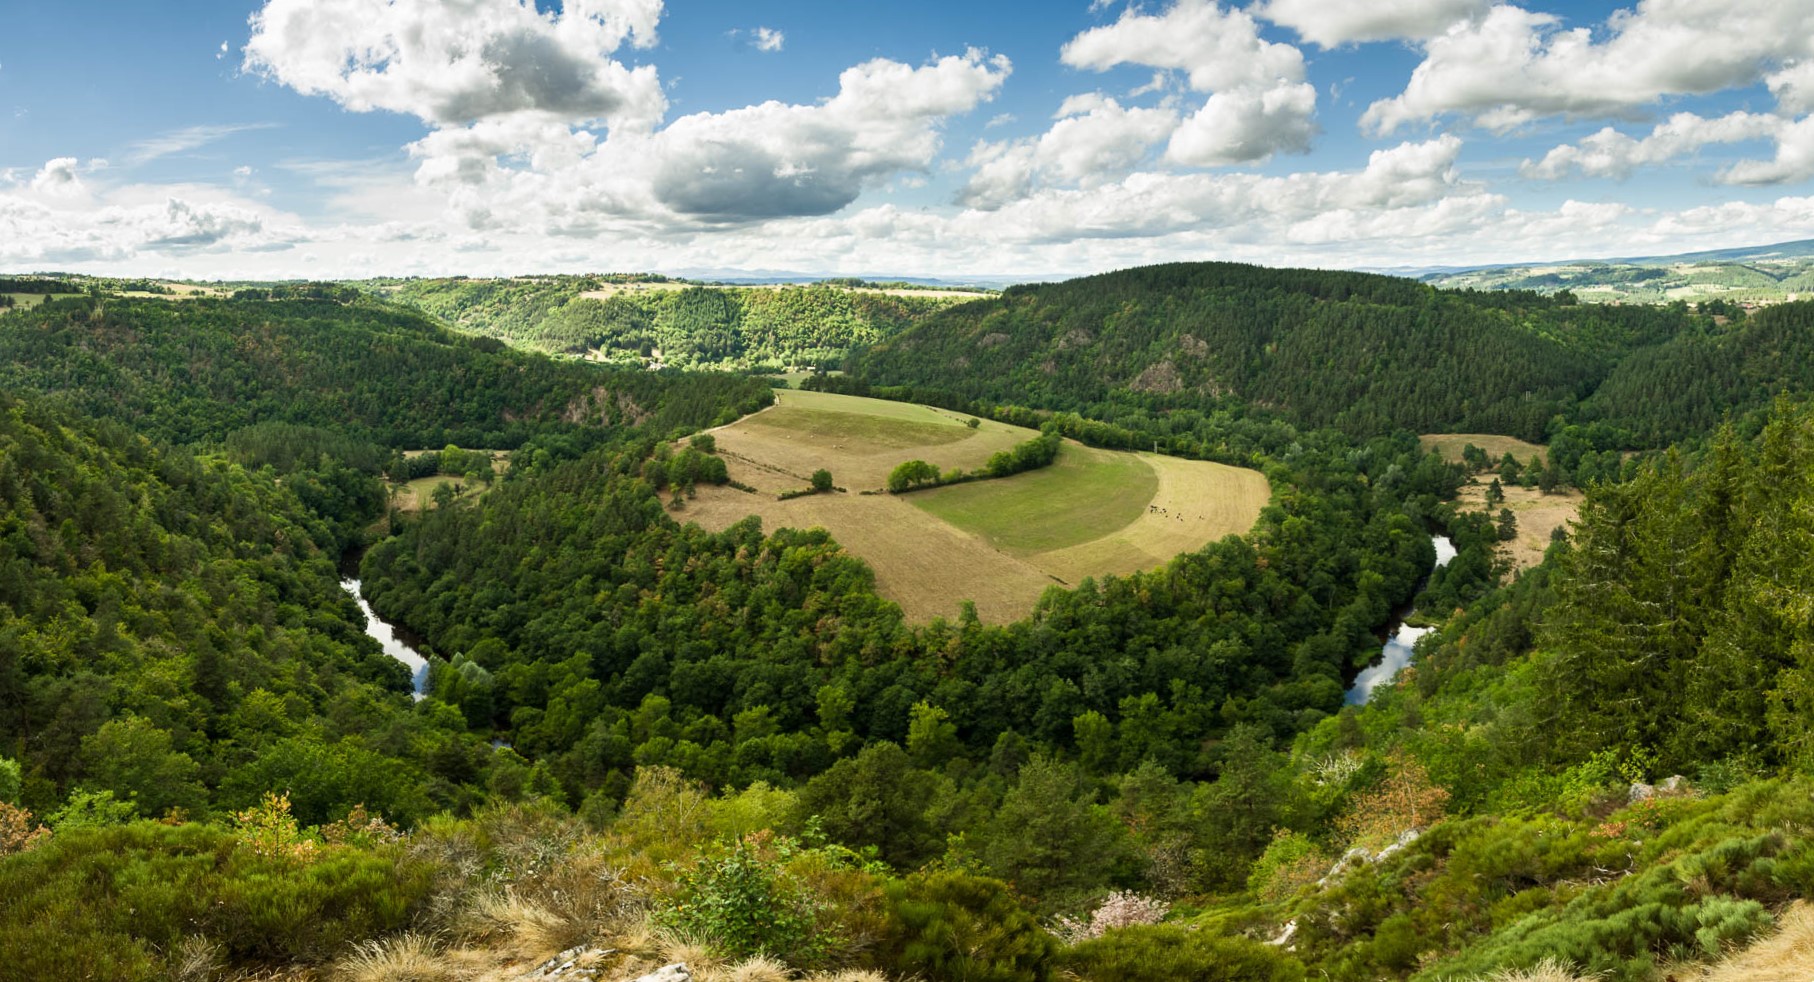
x=1515, y=65
x=1610, y=153
x=59, y=217
x=1259, y=103
x=753, y=164
x=1094, y=139
x=1794, y=158
x=1330, y=23
x=452, y=62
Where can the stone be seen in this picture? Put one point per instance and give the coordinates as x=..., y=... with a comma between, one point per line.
x=676, y=972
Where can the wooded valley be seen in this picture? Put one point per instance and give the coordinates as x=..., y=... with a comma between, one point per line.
x=641, y=741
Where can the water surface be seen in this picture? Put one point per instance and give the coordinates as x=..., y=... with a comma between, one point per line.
x=1397, y=651
x=386, y=636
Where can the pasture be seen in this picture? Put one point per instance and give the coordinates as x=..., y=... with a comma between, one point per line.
x=998, y=543
x=418, y=494
x=26, y=301
x=1450, y=446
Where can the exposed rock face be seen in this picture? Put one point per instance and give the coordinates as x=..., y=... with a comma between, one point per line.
x=1361, y=857
x=1161, y=378
x=1674, y=786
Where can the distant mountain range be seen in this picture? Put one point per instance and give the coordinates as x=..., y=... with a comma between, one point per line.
x=1752, y=274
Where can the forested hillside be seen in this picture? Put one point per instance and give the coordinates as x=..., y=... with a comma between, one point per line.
x=690, y=326
x=1666, y=638
x=1687, y=386
x=199, y=369
x=173, y=635
x=1366, y=354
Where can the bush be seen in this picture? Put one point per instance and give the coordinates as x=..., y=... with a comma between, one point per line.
x=740, y=905
x=116, y=902
x=949, y=925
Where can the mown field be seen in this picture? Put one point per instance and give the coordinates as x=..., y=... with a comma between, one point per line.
x=997, y=543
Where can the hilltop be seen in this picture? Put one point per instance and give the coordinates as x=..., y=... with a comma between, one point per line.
x=1752, y=275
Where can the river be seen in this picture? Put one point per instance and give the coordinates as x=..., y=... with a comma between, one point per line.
x=1397, y=651
x=1395, y=655
x=386, y=636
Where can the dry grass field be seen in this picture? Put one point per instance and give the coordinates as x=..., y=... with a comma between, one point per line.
x=1450, y=446
x=999, y=544
x=26, y=301
x=1538, y=515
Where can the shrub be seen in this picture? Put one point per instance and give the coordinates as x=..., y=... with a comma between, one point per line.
x=269, y=830
x=949, y=925
x=1407, y=799
x=125, y=902
x=740, y=906
x=18, y=832
x=91, y=809
x=1289, y=864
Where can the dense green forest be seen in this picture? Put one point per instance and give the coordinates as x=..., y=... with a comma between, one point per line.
x=200, y=369
x=1365, y=354
x=658, y=743
x=173, y=636
x=694, y=326
x=743, y=656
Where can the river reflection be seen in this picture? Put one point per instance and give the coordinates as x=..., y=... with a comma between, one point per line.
x=386, y=636
x=1397, y=652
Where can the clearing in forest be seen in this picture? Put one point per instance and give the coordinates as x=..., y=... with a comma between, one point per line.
x=1450, y=445
x=1538, y=516
x=999, y=543
x=418, y=494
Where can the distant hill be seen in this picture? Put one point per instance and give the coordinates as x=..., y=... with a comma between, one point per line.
x=655, y=320
x=1754, y=274
x=1360, y=352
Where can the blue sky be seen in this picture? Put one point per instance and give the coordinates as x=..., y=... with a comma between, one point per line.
x=302, y=138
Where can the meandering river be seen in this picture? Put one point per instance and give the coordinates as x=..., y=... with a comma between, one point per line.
x=387, y=637
x=1397, y=652
x=1394, y=656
